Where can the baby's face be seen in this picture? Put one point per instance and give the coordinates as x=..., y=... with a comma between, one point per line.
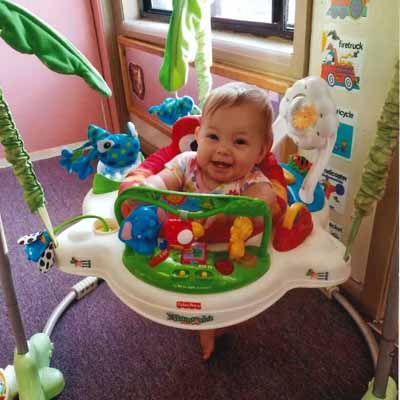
x=231, y=142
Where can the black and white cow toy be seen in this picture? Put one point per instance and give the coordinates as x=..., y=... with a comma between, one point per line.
x=40, y=249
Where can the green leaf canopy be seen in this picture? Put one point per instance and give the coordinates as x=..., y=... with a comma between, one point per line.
x=181, y=45
x=28, y=34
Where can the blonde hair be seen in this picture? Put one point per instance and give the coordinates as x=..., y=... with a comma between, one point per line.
x=238, y=93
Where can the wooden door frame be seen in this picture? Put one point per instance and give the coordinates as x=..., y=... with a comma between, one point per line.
x=110, y=110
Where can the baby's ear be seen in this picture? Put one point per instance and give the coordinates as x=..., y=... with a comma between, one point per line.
x=196, y=132
x=267, y=145
x=262, y=155
x=264, y=151
x=270, y=140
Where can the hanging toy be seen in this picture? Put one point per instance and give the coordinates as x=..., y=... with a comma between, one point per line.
x=240, y=231
x=171, y=109
x=117, y=153
x=307, y=114
x=40, y=249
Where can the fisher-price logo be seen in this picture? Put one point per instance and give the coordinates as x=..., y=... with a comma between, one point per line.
x=191, y=305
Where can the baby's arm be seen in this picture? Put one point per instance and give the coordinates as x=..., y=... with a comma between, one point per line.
x=169, y=180
x=222, y=223
x=171, y=177
x=264, y=192
x=165, y=179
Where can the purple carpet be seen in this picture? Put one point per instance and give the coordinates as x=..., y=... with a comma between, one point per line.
x=305, y=347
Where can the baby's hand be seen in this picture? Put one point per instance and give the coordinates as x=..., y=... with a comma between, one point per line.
x=208, y=222
x=214, y=219
x=217, y=220
x=153, y=181
x=216, y=228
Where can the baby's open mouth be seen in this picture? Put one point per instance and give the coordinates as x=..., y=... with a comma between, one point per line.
x=221, y=164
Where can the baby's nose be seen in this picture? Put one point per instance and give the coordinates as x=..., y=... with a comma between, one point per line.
x=222, y=148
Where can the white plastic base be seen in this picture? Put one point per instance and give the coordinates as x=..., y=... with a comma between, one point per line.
x=318, y=262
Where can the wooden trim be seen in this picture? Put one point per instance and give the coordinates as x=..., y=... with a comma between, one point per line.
x=147, y=148
x=126, y=84
x=137, y=44
x=370, y=296
x=302, y=38
x=266, y=81
x=152, y=120
x=109, y=108
x=108, y=31
x=383, y=247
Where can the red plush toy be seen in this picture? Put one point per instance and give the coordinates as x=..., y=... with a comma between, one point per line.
x=182, y=140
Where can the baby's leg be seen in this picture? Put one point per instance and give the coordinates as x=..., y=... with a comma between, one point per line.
x=207, y=342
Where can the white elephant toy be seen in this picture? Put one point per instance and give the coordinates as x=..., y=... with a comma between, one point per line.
x=307, y=114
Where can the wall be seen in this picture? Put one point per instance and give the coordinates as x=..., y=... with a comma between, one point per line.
x=374, y=61
x=50, y=109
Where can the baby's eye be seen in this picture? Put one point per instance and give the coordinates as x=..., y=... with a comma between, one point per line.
x=104, y=145
x=241, y=141
x=212, y=136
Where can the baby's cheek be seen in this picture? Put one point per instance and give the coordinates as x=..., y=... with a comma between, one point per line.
x=201, y=160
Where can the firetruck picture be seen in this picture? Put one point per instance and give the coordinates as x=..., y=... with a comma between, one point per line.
x=338, y=72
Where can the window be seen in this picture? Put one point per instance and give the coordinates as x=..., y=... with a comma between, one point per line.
x=282, y=52
x=259, y=17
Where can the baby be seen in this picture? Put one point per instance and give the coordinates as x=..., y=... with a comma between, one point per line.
x=234, y=136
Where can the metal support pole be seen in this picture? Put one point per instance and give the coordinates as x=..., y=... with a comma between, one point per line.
x=10, y=297
x=390, y=330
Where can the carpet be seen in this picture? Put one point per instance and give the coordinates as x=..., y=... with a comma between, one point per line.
x=304, y=347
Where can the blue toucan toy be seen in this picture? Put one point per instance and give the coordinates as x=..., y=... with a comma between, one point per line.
x=117, y=151
x=171, y=109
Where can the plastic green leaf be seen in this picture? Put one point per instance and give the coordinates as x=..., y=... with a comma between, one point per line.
x=181, y=45
x=28, y=34
x=19, y=158
x=377, y=166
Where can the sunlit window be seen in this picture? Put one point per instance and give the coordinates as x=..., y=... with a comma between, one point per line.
x=162, y=4
x=260, y=17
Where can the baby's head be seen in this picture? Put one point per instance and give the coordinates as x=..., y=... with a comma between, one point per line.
x=235, y=132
